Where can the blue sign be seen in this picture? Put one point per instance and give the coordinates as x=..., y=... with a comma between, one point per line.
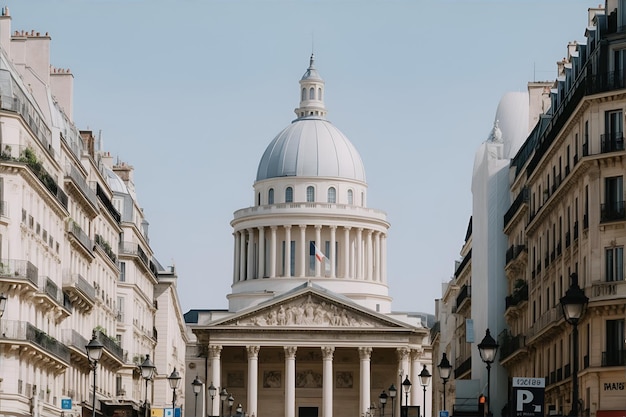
x=444, y=413
x=66, y=403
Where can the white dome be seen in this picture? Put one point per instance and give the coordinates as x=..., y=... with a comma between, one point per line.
x=311, y=147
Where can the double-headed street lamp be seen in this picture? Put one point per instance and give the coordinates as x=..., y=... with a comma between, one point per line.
x=196, y=385
x=174, y=380
x=223, y=396
x=488, y=348
x=444, y=372
x=147, y=371
x=406, y=387
x=383, y=400
x=424, y=381
x=94, y=353
x=573, y=304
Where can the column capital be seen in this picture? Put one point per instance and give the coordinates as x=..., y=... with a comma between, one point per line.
x=403, y=353
x=261, y=228
x=273, y=228
x=302, y=226
x=318, y=226
x=417, y=353
x=333, y=227
x=287, y=227
x=327, y=352
x=347, y=228
x=253, y=351
x=215, y=351
x=365, y=353
x=290, y=352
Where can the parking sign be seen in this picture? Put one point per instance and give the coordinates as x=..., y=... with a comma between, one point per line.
x=528, y=396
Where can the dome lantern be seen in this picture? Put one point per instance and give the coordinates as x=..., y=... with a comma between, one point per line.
x=311, y=93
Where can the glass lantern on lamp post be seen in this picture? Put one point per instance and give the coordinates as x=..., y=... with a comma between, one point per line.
x=488, y=348
x=444, y=373
x=424, y=381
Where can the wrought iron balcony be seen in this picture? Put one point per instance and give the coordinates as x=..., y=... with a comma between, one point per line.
x=17, y=269
x=615, y=357
x=75, y=230
x=612, y=211
x=465, y=293
x=76, y=283
x=26, y=332
x=110, y=345
x=612, y=142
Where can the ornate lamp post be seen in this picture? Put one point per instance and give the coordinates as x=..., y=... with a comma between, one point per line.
x=392, y=393
x=444, y=372
x=174, y=380
x=223, y=396
x=573, y=304
x=383, y=400
x=147, y=371
x=212, y=392
x=196, y=384
x=239, y=409
x=424, y=381
x=406, y=387
x=488, y=348
x=231, y=401
x=94, y=353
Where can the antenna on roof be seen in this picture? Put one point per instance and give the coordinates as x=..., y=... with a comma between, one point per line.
x=312, y=42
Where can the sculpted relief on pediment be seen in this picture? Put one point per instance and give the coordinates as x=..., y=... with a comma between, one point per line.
x=308, y=312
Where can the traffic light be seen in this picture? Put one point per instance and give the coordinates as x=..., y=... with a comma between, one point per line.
x=482, y=401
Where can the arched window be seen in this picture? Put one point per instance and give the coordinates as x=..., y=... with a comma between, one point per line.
x=332, y=195
x=303, y=94
x=362, y=199
x=312, y=94
x=350, y=197
x=319, y=94
x=289, y=195
x=258, y=199
x=270, y=196
x=310, y=194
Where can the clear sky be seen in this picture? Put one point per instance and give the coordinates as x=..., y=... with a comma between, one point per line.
x=190, y=92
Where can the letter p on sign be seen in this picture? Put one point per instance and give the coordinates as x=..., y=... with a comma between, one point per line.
x=523, y=397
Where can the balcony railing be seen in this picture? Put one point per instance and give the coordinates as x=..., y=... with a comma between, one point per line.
x=110, y=345
x=107, y=203
x=466, y=292
x=25, y=331
x=612, y=211
x=519, y=294
x=614, y=357
x=463, y=367
x=510, y=345
x=549, y=317
x=81, y=284
x=514, y=251
x=72, y=338
x=74, y=174
x=131, y=248
x=464, y=262
x=106, y=247
x=74, y=229
x=612, y=142
x=19, y=270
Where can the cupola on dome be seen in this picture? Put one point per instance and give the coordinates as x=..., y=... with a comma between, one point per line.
x=311, y=146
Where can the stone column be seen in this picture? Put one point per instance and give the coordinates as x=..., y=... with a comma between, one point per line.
x=253, y=379
x=416, y=395
x=242, y=255
x=327, y=393
x=272, y=251
x=302, y=252
x=215, y=354
x=287, y=265
x=365, y=354
x=369, y=252
x=319, y=265
x=346, y=252
x=383, y=258
x=290, y=381
x=359, y=253
x=333, y=251
x=261, y=262
x=250, y=274
x=376, y=258
x=236, y=260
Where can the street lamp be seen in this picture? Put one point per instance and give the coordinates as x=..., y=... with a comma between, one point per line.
x=444, y=372
x=239, y=409
x=383, y=400
x=392, y=393
x=147, y=371
x=174, y=380
x=406, y=386
x=94, y=353
x=223, y=396
x=212, y=392
x=231, y=401
x=196, y=384
x=3, y=304
x=488, y=349
x=424, y=381
x=573, y=304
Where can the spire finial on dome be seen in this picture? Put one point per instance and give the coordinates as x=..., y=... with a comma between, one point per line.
x=312, y=61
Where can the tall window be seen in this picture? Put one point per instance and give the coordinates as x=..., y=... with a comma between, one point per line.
x=614, y=355
x=289, y=195
x=270, y=196
x=350, y=197
x=319, y=94
x=332, y=195
x=614, y=258
x=613, y=208
x=312, y=94
x=303, y=94
x=122, y=271
x=310, y=194
x=613, y=127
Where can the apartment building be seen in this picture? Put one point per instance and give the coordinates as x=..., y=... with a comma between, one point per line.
x=75, y=257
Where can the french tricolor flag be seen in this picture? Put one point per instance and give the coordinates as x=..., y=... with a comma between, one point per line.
x=318, y=253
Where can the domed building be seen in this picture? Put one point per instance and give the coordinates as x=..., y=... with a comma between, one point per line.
x=309, y=330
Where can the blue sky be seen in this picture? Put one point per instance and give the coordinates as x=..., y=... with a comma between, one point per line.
x=191, y=92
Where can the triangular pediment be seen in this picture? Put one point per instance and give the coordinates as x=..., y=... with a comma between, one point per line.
x=311, y=308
